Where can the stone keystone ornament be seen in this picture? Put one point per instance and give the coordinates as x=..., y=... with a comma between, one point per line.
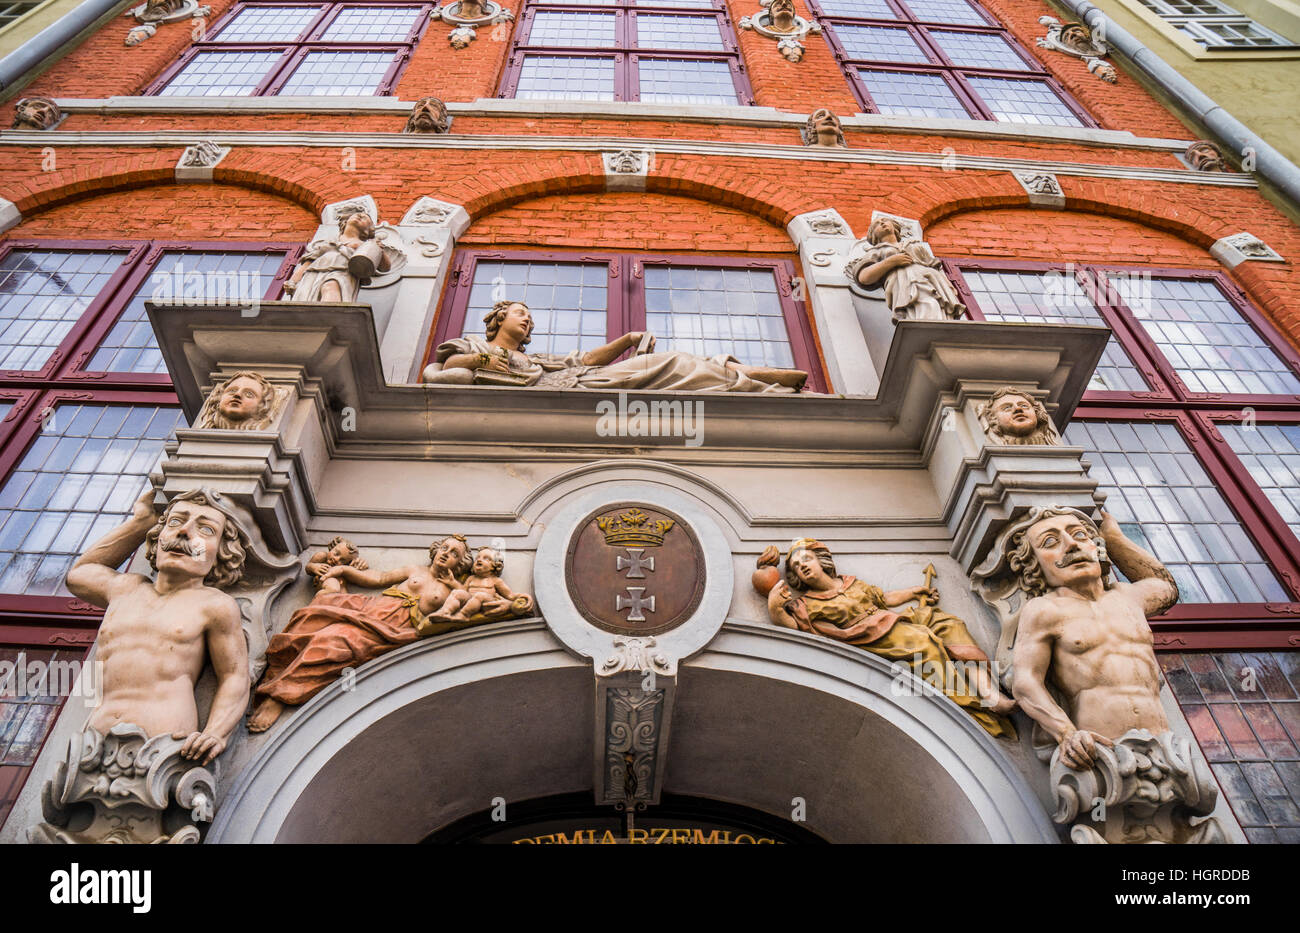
x=635, y=570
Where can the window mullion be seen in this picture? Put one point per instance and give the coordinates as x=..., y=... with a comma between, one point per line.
x=1130, y=334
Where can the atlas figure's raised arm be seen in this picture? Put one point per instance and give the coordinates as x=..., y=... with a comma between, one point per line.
x=1149, y=576
x=94, y=573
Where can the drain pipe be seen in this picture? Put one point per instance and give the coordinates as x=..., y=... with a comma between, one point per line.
x=51, y=40
x=1270, y=164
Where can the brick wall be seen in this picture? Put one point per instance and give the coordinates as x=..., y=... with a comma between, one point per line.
x=627, y=220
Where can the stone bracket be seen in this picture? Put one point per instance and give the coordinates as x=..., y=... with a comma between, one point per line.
x=627, y=169
x=10, y=216
x=1242, y=247
x=633, y=713
x=197, y=162
x=1042, y=187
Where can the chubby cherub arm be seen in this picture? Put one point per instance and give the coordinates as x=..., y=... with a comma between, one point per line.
x=228, y=654
x=502, y=590
x=1151, y=580
x=1032, y=659
x=316, y=564
x=94, y=576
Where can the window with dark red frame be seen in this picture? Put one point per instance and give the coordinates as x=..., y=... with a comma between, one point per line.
x=941, y=58
x=1191, y=427
x=665, y=51
x=85, y=408
x=579, y=301
x=297, y=49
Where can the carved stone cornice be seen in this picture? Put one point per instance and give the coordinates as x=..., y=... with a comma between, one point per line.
x=337, y=349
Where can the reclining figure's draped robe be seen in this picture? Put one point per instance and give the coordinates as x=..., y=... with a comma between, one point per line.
x=337, y=631
x=925, y=639
x=668, y=370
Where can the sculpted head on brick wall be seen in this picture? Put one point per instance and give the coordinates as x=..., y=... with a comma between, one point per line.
x=36, y=113
x=1205, y=156
x=824, y=129
x=429, y=115
x=782, y=16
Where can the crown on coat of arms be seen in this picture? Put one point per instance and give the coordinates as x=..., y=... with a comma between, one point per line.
x=634, y=527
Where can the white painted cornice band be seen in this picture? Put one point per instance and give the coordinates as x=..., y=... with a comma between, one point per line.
x=183, y=138
x=619, y=110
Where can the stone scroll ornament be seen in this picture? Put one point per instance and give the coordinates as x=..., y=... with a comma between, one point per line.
x=1077, y=40
x=466, y=15
x=778, y=21
x=138, y=772
x=460, y=587
x=936, y=645
x=335, y=269
x=1118, y=772
x=245, y=401
x=153, y=13
x=916, y=288
x=498, y=359
x=1013, y=417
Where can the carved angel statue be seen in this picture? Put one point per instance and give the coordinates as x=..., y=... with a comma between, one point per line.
x=499, y=359
x=916, y=287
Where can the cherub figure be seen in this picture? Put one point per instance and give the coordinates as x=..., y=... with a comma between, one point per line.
x=484, y=592
x=340, y=552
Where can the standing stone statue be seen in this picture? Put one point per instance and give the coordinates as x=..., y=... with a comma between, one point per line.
x=139, y=763
x=334, y=270
x=916, y=287
x=499, y=360
x=814, y=598
x=1085, y=671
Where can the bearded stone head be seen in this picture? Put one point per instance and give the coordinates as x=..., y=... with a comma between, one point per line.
x=429, y=115
x=782, y=15
x=1205, y=156
x=36, y=113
